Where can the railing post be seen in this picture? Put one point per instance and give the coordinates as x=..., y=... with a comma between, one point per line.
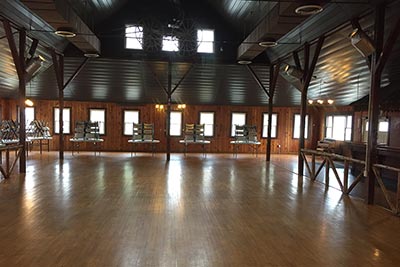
x=346, y=177
x=313, y=167
x=398, y=194
x=327, y=173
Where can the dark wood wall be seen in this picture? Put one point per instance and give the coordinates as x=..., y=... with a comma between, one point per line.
x=116, y=141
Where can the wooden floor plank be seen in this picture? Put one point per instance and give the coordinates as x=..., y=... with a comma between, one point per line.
x=117, y=210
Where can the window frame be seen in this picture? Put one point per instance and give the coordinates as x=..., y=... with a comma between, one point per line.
x=181, y=124
x=231, y=130
x=54, y=120
x=263, y=124
x=105, y=119
x=124, y=123
x=213, y=125
x=125, y=39
x=364, y=129
x=346, y=115
x=306, y=132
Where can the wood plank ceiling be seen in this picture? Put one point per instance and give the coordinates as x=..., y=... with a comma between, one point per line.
x=341, y=72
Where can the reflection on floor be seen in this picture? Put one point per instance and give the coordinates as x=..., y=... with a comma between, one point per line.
x=117, y=210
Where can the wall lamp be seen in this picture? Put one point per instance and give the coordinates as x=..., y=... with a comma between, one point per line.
x=362, y=42
x=293, y=71
x=159, y=107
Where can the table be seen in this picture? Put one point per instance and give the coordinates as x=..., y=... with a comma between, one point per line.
x=41, y=140
x=9, y=168
x=135, y=142
x=9, y=142
x=195, y=142
x=95, y=141
x=252, y=144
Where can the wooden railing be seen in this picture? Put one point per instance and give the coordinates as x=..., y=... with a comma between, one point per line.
x=395, y=207
x=327, y=161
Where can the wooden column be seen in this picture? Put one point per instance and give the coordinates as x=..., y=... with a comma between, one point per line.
x=169, y=100
x=379, y=59
x=19, y=62
x=308, y=73
x=273, y=77
x=373, y=106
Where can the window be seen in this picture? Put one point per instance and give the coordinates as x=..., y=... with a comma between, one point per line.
x=274, y=125
x=175, y=127
x=29, y=115
x=296, y=127
x=170, y=43
x=66, y=120
x=238, y=118
x=130, y=117
x=98, y=115
x=207, y=118
x=338, y=127
x=205, y=41
x=383, y=131
x=133, y=37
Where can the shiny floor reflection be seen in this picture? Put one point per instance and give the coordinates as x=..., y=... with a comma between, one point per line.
x=117, y=210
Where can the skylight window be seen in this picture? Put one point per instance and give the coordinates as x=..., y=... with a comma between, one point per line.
x=205, y=41
x=170, y=43
x=134, y=37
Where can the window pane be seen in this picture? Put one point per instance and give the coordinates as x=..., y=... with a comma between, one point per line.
x=383, y=126
x=205, y=41
x=133, y=37
x=170, y=43
x=130, y=117
x=237, y=119
x=175, y=123
x=273, y=127
x=207, y=118
x=296, y=129
x=66, y=120
x=29, y=115
x=339, y=127
x=98, y=115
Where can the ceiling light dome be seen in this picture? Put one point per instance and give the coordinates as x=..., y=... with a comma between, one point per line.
x=91, y=54
x=244, y=62
x=268, y=43
x=306, y=10
x=65, y=32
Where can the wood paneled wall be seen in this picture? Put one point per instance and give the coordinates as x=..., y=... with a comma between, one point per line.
x=116, y=141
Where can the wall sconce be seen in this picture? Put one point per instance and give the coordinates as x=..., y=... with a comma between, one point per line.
x=159, y=107
x=293, y=71
x=321, y=101
x=362, y=42
x=181, y=106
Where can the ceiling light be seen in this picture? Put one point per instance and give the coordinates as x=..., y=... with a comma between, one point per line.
x=320, y=101
x=362, y=42
x=306, y=10
x=310, y=101
x=91, y=55
x=330, y=101
x=65, y=32
x=244, y=62
x=268, y=43
x=28, y=102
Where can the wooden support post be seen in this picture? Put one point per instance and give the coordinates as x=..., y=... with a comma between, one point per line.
x=169, y=94
x=19, y=62
x=373, y=107
x=273, y=76
x=308, y=73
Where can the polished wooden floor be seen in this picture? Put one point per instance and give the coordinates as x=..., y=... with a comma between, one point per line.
x=114, y=210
